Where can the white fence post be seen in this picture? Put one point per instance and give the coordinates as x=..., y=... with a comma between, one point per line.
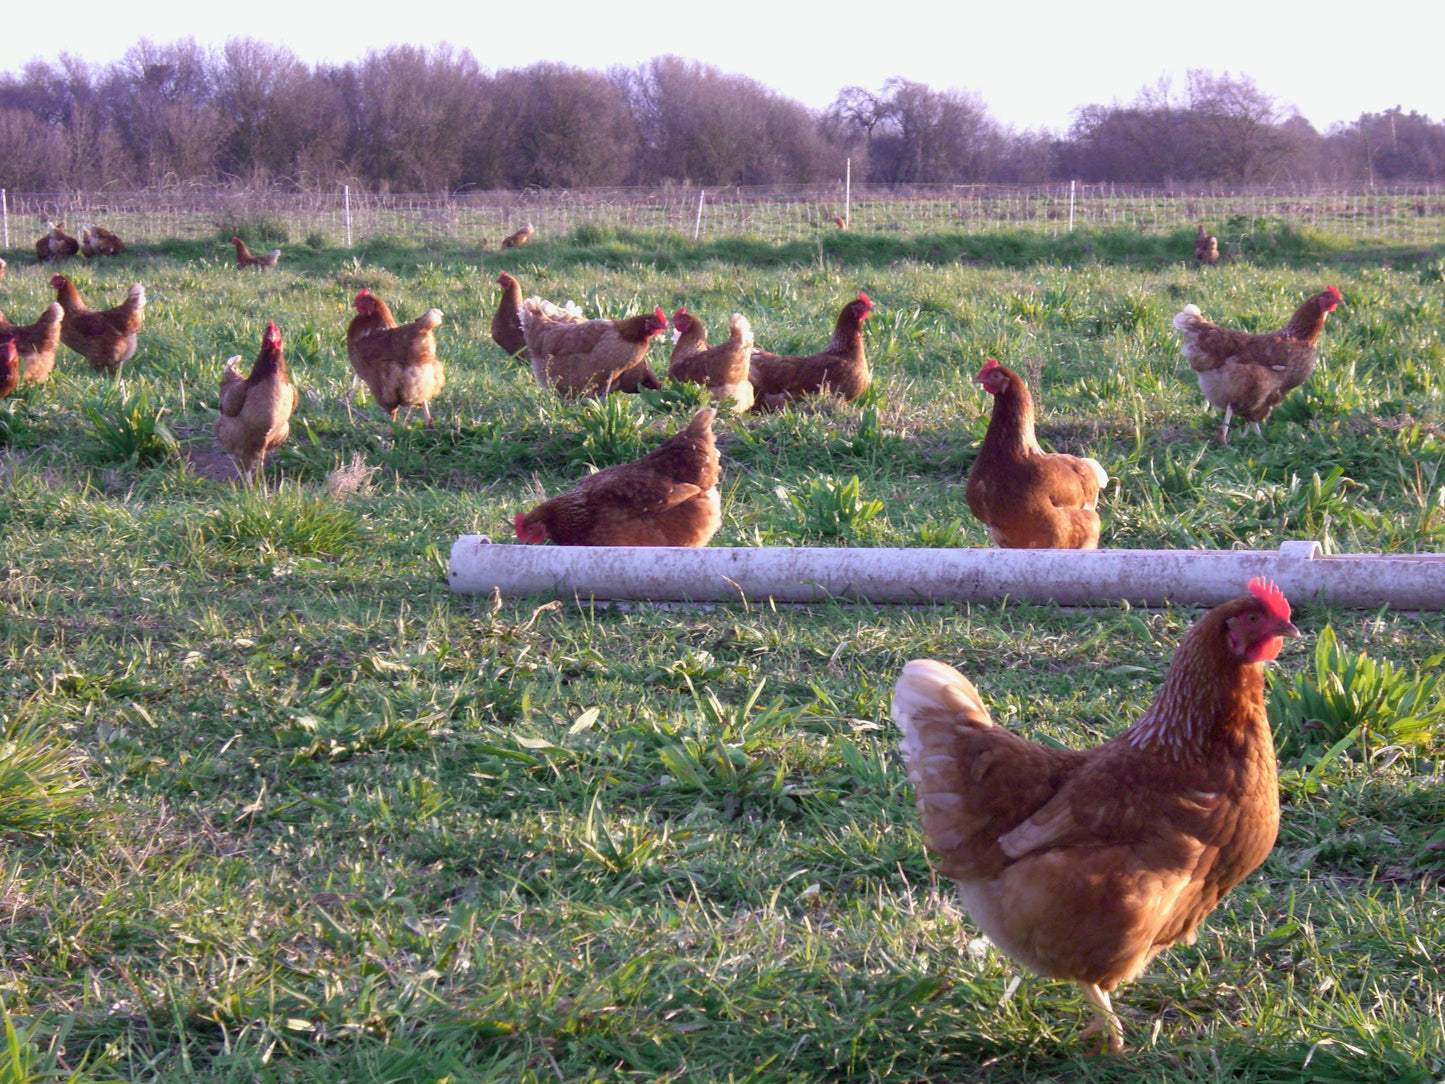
x=848, y=192
x=5, y=214
x=1071, y=206
x=697, y=226
x=346, y=193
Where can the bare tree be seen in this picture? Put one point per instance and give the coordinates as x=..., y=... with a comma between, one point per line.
x=915, y=134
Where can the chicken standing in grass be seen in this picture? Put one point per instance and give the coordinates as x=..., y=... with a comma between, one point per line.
x=507, y=322
x=1029, y=498
x=255, y=410
x=398, y=362
x=99, y=241
x=1206, y=247
x=576, y=356
x=105, y=338
x=519, y=238
x=245, y=260
x=9, y=365
x=1084, y=864
x=1249, y=374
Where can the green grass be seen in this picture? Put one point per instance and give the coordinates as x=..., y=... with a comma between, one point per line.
x=278, y=806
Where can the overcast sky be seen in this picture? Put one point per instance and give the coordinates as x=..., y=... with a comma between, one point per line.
x=1032, y=64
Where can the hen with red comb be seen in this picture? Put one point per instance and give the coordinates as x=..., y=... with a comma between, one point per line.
x=1084, y=864
x=840, y=368
x=576, y=356
x=1247, y=374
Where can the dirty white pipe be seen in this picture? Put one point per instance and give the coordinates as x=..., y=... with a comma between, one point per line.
x=1067, y=577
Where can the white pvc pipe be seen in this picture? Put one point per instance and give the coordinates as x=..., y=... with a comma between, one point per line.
x=1067, y=577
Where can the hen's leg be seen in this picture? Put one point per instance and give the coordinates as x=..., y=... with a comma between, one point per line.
x=1105, y=1022
x=1224, y=432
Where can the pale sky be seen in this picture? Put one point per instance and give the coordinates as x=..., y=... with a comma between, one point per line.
x=1032, y=64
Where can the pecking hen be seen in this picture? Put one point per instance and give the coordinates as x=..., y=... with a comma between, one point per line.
x=577, y=356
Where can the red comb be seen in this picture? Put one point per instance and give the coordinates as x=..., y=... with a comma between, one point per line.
x=680, y=312
x=1335, y=293
x=866, y=299
x=991, y=363
x=521, y=517
x=1268, y=592
x=657, y=311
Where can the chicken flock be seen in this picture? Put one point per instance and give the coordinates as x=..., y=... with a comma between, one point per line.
x=1080, y=865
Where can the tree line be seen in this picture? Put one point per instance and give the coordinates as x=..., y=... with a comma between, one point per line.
x=412, y=119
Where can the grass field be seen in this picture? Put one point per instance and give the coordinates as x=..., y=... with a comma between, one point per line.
x=277, y=806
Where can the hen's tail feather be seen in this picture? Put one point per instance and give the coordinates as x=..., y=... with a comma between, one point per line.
x=1189, y=318
x=740, y=326
x=1099, y=472
x=931, y=702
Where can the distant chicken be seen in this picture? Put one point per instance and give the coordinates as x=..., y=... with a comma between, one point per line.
x=244, y=259
x=1206, y=247
x=56, y=244
x=106, y=339
x=2, y=269
x=576, y=356
x=507, y=323
x=36, y=343
x=398, y=362
x=722, y=369
x=840, y=369
x=99, y=241
x=9, y=365
x=256, y=410
x=1085, y=864
x=1029, y=498
x=521, y=237
x=668, y=497
x=1247, y=374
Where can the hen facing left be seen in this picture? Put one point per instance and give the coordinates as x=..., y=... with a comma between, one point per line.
x=105, y=338
x=1084, y=864
x=1027, y=497
x=398, y=362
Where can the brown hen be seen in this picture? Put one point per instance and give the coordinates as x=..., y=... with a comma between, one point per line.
x=107, y=338
x=840, y=368
x=1029, y=498
x=1084, y=864
x=398, y=362
x=256, y=409
x=1248, y=374
x=36, y=343
x=668, y=497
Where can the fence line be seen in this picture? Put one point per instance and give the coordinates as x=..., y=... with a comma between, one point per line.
x=1402, y=214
